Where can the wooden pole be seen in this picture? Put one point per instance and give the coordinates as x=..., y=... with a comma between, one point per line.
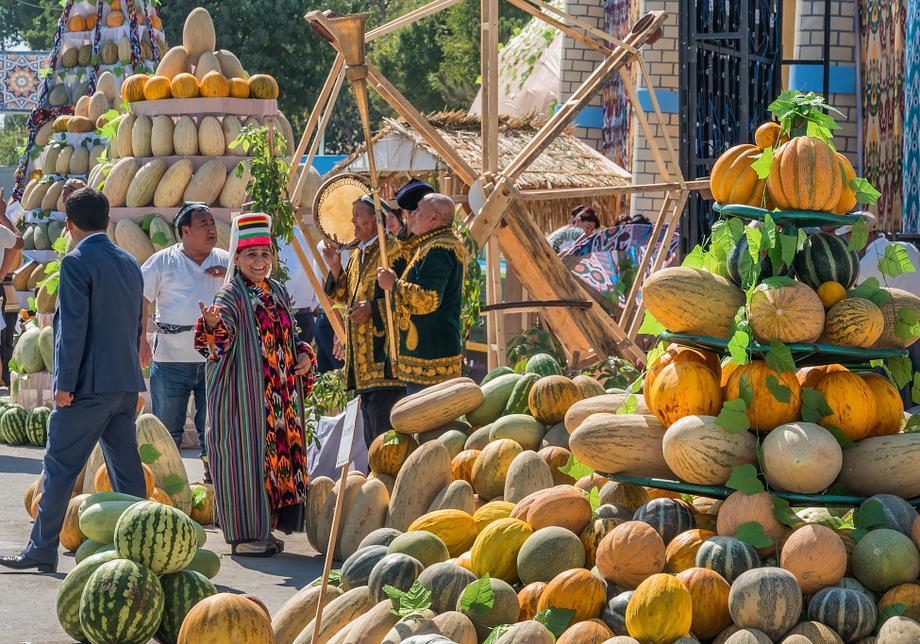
x=488, y=57
x=410, y=18
x=330, y=550
x=324, y=300
x=644, y=262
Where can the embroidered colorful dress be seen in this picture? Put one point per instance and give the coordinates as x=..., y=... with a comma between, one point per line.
x=255, y=441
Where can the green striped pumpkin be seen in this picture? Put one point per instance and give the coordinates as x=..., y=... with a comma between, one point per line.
x=181, y=591
x=517, y=403
x=356, y=570
x=543, y=364
x=446, y=581
x=727, y=556
x=157, y=536
x=13, y=425
x=826, y=258
x=669, y=517
x=848, y=612
x=68, y=597
x=122, y=603
x=37, y=425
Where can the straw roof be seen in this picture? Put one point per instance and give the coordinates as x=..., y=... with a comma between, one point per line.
x=567, y=162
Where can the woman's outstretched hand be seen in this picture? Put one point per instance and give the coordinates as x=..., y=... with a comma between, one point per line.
x=211, y=314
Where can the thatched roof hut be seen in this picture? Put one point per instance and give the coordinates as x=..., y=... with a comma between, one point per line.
x=568, y=162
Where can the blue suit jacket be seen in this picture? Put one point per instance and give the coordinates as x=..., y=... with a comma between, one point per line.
x=99, y=322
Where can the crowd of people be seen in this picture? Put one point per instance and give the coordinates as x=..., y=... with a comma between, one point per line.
x=239, y=344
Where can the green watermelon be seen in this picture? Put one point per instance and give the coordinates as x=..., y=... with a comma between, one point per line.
x=181, y=591
x=517, y=403
x=121, y=602
x=161, y=233
x=86, y=550
x=543, y=364
x=13, y=425
x=495, y=373
x=357, y=568
x=46, y=347
x=68, y=597
x=37, y=425
x=157, y=536
x=206, y=562
x=825, y=258
x=98, y=521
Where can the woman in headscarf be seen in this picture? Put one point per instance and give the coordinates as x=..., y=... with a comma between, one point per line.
x=257, y=376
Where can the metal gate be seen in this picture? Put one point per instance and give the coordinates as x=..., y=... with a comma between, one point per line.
x=730, y=71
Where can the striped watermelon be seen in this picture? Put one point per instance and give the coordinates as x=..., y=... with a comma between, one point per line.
x=543, y=364
x=122, y=602
x=848, y=612
x=727, y=556
x=517, y=403
x=13, y=425
x=37, y=426
x=68, y=597
x=157, y=536
x=825, y=258
x=181, y=591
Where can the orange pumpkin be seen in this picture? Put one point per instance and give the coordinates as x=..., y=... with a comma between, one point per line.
x=684, y=389
x=740, y=508
x=680, y=554
x=263, y=86
x=103, y=483
x=239, y=88
x=77, y=23
x=132, y=89
x=852, y=404
x=71, y=535
x=157, y=88
x=889, y=407
x=632, y=552
x=709, y=592
x=225, y=617
x=33, y=510
x=816, y=556
x=811, y=376
x=203, y=503
x=184, y=85
x=389, y=451
x=847, y=196
x=577, y=589
x=908, y=595
x=733, y=180
x=528, y=598
x=215, y=84
x=767, y=135
x=115, y=19
x=592, y=631
x=91, y=21
x=557, y=457
x=593, y=534
x=765, y=411
x=676, y=353
x=805, y=175
x=160, y=496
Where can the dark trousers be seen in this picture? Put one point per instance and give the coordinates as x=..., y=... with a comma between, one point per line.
x=325, y=335
x=304, y=319
x=171, y=384
x=375, y=411
x=6, y=343
x=412, y=388
x=72, y=434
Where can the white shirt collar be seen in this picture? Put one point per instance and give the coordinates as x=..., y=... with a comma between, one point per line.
x=90, y=236
x=365, y=245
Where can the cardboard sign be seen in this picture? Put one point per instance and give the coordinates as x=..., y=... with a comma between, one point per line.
x=352, y=426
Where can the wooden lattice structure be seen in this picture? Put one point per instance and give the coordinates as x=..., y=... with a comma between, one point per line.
x=500, y=220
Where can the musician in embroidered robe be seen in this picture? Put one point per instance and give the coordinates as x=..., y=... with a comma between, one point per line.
x=368, y=368
x=428, y=297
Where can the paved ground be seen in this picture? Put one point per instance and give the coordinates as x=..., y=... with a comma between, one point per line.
x=27, y=601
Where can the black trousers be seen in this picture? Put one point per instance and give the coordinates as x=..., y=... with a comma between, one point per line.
x=304, y=319
x=375, y=411
x=325, y=335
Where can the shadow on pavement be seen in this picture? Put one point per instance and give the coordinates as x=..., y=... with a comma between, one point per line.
x=296, y=570
x=21, y=464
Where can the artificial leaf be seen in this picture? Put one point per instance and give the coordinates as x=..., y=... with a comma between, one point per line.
x=865, y=191
x=629, y=405
x=870, y=289
x=575, y=468
x=496, y=633
x=814, y=406
x=895, y=261
x=556, y=620
x=594, y=499
x=906, y=324
x=901, y=369
x=199, y=497
x=859, y=235
x=733, y=417
x=148, y=453
x=744, y=479
x=752, y=533
x=651, y=326
x=783, y=512
x=391, y=437
x=173, y=484
x=478, y=596
x=780, y=392
x=779, y=357
x=763, y=164
x=842, y=439
x=738, y=346
x=870, y=515
x=696, y=258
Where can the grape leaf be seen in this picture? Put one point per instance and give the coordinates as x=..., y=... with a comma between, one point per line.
x=844, y=441
x=783, y=512
x=744, y=479
x=763, y=164
x=871, y=290
x=901, y=370
x=478, y=596
x=755, y=242
x=906, y=325
x=870, y=515
x=575, y=468
x=865, y=191
x=148, y=453
x=752, y=533
x=651, y=326
x=788, y=246
x=391, y=437
x=199, y=497
x=912, y=426
x=733, y=417
x=496, y=633
x=696, y=258
x=173, y=484
x=738, y=346
x=779, y=357
x=814, y=406
x=594, y=499
x=629, y=405
x=781, y=392
x=556, y=620
x=895, y=261
x=859, y=235
x=413, y=601
x=726, y=233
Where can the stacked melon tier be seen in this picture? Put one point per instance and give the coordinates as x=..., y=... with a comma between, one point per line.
x=178, y=141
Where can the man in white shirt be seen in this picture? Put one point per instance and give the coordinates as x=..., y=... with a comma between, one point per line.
x=299, y=286
x=175, y=280
x=10, y=240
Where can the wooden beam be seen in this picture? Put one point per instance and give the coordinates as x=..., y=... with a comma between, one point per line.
x=644, y=262
x=644, y=124
x=489, y=72
x=602, y=36
x=527, y=7
x=607, y=191
x=497, y=202
x=323, y=123
x=659, y=116
x=410, y=18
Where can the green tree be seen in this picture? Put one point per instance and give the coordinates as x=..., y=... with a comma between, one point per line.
x=12, y=137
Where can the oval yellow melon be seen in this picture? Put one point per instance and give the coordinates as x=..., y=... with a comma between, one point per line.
x=491, y=467
x=854, y=322
x=689, y=300
x=701, y=452
x=684, y=389
x=792, y=313
x=889, y=407
x=496, y=547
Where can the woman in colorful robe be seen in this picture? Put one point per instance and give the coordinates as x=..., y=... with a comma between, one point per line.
x=256, y=436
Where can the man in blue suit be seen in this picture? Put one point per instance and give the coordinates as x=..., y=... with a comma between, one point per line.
x=97, y=373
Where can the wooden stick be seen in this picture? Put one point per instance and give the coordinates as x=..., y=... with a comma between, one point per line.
x=646, y=128
x=323, y=122
x=330, y=550
x=324, y=300
x=605, y=191
x=602, y=36
x=410, y=18
x=525, y=6
x=644, y=262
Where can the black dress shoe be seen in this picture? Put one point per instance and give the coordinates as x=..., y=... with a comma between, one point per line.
x=25, y=562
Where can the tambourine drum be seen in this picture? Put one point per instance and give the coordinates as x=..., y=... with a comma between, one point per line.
x=332, y=206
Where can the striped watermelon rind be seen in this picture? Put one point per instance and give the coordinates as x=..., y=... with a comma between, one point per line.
x=13, y=425
x=157, y=536
x=181, y=591
x=826, y=258
x=37, y=425
x=517, y=403
x=121, y=602
x=543, y=364
x=71, y=590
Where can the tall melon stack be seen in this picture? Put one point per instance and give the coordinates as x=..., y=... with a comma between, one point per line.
x=176, y=144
